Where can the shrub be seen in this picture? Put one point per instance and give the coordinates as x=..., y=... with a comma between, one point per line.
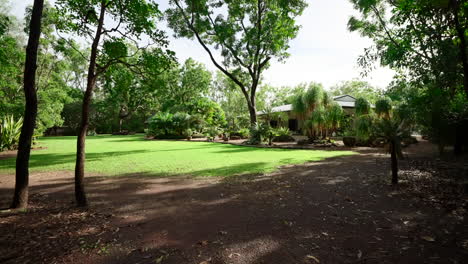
x=242, y=133
x=303, y=142
x=93, y=133
x=258, y=132
x=198, y=135
x=188, y=132
x=283, y=135
x=10, y=131
x=270, y=134
x=212, y=132
x=349, y=141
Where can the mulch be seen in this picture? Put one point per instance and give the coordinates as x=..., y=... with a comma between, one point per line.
x=340, y=210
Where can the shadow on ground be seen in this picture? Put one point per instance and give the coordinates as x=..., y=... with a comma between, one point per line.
x=339, y=210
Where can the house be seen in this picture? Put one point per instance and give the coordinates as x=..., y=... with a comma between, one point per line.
x=345, y=101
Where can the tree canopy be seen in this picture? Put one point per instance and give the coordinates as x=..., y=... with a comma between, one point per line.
x=248, y=34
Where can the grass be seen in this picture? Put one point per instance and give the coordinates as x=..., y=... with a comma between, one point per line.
x=123, y=155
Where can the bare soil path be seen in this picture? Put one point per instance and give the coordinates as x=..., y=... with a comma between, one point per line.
x=340, y=210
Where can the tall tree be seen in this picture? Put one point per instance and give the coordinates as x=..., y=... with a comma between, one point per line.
x=425, y=41
x=20, y=198
x=131, y=19
x=249, y=33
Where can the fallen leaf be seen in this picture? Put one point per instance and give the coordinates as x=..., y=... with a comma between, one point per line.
x=159, y=260
x=428, y=238
x=314, y=258
x=203, y=242
x=234, y=254
x=208, y=261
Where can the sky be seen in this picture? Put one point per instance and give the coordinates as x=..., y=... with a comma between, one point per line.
x=324, y=50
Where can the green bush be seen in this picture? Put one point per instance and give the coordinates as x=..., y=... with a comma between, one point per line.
x=283, y=134
x=10, y=131
x=258, y=132
x=212, y=131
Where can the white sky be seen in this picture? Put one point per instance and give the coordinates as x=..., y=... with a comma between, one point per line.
x=324, y=51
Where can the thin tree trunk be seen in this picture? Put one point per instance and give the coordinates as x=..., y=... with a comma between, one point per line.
x=80, y=193
x=394, y=164
x=20, y=198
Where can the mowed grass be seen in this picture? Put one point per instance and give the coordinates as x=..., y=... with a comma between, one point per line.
x=126, y=155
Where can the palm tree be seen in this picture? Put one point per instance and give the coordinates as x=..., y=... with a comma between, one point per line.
x=313, y=97
x=364, y=119
x=383, y=107
x=299, y=107
x=318, y=122
x=362, y=106
x=393, y=130
x=334, y=117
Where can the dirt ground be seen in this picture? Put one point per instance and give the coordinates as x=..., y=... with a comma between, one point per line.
x=340, y=210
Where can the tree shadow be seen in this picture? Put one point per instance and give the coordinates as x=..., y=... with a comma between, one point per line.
x=286, y=217
x=39, y=160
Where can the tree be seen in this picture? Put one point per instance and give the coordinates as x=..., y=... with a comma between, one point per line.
x=179, y=85
x=392, y=128
x=250, y=35
x=425, y=41
x=108, y=47
x=226, y=93
x=20, y=198
x=12, y=57
x=357, y=89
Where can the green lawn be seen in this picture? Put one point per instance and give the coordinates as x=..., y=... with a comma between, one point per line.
x=121, y=155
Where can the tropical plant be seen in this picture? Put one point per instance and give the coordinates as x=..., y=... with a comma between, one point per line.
x=393, y=129
x=363, y=127
x=299, y=107
x=362, y=106
x=317, y=122
x=258, y=132
x=313, y=97
x=283, y=134
x=270, y=134
x=383, y=107
x=10, y=131
x=160, y=124
x=334, y=117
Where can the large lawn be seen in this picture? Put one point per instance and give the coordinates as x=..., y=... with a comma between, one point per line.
x=120, y=155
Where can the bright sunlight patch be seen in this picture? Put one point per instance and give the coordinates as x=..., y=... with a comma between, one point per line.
x=127, y=155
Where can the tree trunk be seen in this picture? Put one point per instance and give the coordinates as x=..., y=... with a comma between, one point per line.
x=80, y=193
x=120, y=124
x=20, y=198
x=253, y=114
x=394, y=164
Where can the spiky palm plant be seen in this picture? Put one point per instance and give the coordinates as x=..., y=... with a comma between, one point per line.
x=362, y=106
x=327, y=99
x=383, y=107
x=299, y=107
x=393, y=129
x=313, y=97
x=318, y=121
x=10, y=131
x=335, y=116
